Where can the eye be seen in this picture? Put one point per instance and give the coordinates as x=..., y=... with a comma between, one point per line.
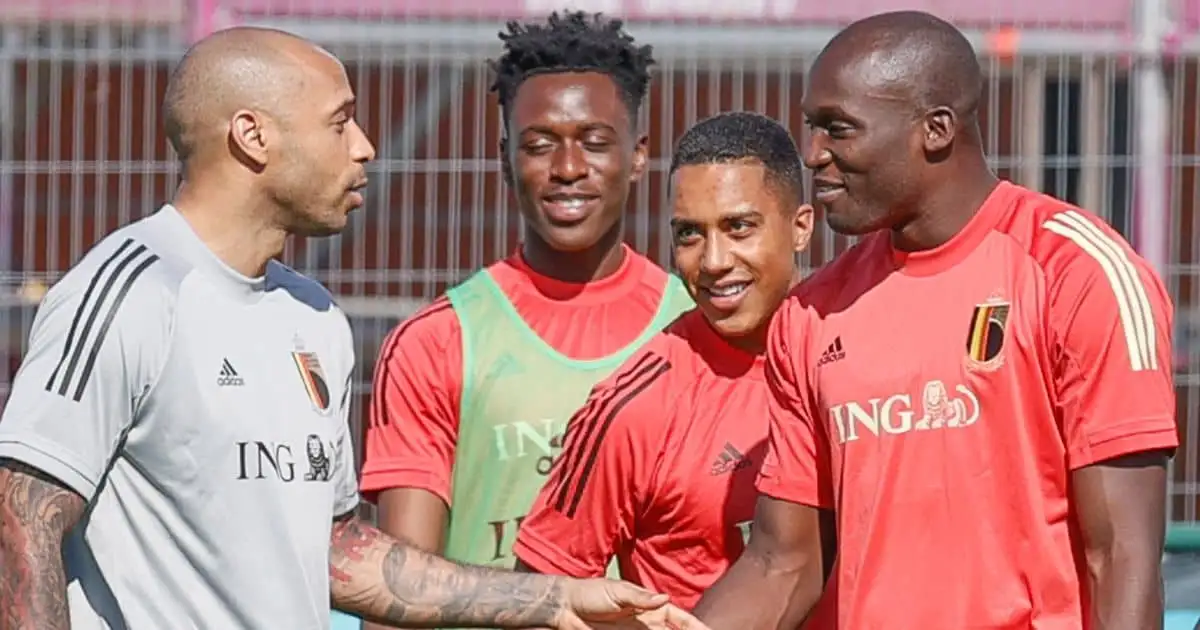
x=839, y=130
x=685, y=234
x=597, y=143
x=832, y=128
x=537, y=146
x=741, y=227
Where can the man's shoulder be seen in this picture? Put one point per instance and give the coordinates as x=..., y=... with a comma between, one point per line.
x=661, y=367
x=1066, y=240
x=123, y=269
x=120, y=289
x=672, y=343
x=638, y=395
x=827, y=284
x=435, y=322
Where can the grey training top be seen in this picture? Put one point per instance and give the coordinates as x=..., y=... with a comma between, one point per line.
x=202, y=415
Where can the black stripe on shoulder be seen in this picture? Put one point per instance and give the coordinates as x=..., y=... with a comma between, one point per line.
x=83, y=345
x=594, y=422
x=83, y=306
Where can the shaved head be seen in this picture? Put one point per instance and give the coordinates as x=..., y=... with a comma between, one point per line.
x=893, y=101
x=911, y=56
x=265, y=120
x=235, y=69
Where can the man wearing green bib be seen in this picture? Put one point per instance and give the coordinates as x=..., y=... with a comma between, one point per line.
x=472, y=394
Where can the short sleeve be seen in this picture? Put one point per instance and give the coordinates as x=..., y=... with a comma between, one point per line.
x=412, y=423
x=345, y=479
x=796, y=467
x=1111, y=320
x=96, y=348
x=587, y=511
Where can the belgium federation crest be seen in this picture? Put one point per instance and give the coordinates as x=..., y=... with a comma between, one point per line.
x=985, y=337
x=313, y=377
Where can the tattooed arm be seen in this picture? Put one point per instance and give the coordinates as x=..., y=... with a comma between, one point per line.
x=381, y=579
x=36, y=512
x=384, y=580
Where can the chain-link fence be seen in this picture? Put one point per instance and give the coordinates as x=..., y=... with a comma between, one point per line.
x=1095, y=102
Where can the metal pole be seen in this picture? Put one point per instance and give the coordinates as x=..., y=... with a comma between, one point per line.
x=1151, y=211
x=8, y=128
x=1152, y=110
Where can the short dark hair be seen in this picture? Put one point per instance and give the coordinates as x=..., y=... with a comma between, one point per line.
x=572, y=42
x=732, y=137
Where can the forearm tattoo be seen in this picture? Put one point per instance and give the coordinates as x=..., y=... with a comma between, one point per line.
x=382, y=579
x=35, y=513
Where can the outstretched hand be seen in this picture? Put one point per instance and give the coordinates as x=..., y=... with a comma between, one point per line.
x=611, y=605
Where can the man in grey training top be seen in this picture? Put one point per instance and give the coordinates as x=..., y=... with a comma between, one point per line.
x=174, y=453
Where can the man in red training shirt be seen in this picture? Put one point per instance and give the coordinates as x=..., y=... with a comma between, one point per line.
x=980, y=389
x=472, y=394
x=658, y=467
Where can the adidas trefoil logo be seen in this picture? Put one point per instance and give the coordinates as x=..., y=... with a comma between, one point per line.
x=228, y=376
x=834, y=352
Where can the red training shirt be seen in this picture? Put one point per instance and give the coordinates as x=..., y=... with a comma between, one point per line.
x=939, y=400
x=413, y=416
x=658, y=468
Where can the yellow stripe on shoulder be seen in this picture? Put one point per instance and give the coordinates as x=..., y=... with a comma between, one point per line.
x=1133, y=304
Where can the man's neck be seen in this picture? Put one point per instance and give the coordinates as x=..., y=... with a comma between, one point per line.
x=594, y=263
x=753, y=344
x=239, y=234
x=946, y=209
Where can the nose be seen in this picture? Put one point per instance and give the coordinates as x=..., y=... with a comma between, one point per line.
x=717, y=258
x=568, y=163
x=817, y=153
x=361, y=149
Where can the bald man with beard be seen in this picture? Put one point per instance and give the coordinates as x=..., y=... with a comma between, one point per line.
x=174, y=453
x=979, y=393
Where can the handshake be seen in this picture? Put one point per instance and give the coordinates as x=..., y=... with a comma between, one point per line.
x=611, y=605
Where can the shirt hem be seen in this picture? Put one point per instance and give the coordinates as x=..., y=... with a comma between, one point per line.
x=543, y=557
x=1150, y=439
x=376, y=481
x=784, y=490
x=30, y=453
x=346, y=506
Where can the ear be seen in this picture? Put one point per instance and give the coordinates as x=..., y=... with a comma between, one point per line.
x=939, y=127
x=250, y=137
x=506, y=163
x=802, y=228
x=641, y=157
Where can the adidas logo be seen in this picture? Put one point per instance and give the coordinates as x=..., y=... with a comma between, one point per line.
x=728, y=461
x=228, y=376
x=833, y=353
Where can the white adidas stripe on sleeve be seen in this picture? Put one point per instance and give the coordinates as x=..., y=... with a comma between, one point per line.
x=1137, y=319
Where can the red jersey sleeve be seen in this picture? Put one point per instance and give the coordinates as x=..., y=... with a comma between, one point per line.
x=1111, y=324
x=412, y=423
x=586, y=512
x=797, y=466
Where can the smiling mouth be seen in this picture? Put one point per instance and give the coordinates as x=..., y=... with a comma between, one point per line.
x=568, y=208
x=729, y=290
x=726, y=297
x=827, y=191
